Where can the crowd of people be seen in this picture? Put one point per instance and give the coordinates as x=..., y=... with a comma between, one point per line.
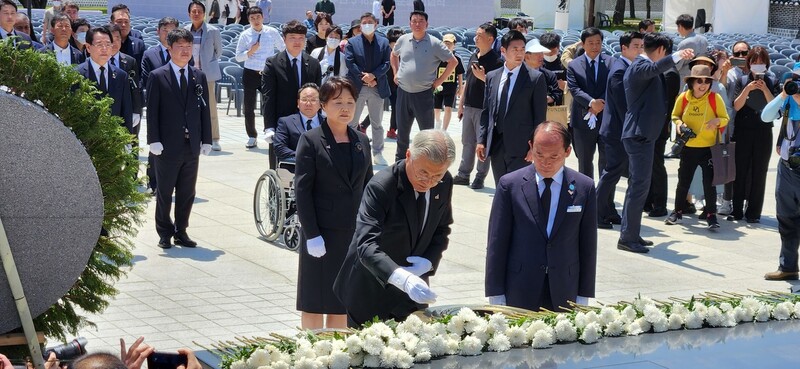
x=380, y=237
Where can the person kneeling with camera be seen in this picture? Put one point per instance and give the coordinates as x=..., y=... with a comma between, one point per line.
x=701, y=112
x=787, y=188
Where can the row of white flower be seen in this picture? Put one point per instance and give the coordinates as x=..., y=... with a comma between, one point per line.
x=400, y=345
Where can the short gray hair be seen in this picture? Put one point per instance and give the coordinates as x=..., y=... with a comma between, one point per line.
x=435, y=145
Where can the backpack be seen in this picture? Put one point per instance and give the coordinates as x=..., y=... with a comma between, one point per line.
x=712, y=100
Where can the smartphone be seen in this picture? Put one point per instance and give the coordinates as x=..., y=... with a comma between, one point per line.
x=738, y=62
x=758, y=76
x=475, y=65
x=165, y=360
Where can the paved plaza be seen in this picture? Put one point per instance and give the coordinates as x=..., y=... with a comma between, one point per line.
x=235, y=284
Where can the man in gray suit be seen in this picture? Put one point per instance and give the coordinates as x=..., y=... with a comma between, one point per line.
x=647, y=109
x=697, y=43
x=206, y=50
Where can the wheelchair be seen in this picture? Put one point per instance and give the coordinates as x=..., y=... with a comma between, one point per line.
x=275, y=208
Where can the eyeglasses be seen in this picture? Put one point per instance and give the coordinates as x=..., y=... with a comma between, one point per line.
x=309, y=101
x=740, y=54
x=102, y=45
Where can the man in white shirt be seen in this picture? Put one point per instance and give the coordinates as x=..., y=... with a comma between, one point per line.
x=61, y=27
x=256, y=44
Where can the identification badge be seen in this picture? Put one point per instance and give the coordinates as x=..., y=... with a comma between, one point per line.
x=574, y=209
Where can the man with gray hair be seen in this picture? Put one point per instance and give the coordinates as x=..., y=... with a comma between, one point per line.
x=402, y=229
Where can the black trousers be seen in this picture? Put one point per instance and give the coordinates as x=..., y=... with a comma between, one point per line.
x=412, y=106
x=251, y=79
x=787, y=209
x=753, y=150
x=691, y=158
x=502, y=163
x=640, y=169
x=388, y=21
x=616, y=166
x=585, y=143
x=179, y=175
x=657, y=197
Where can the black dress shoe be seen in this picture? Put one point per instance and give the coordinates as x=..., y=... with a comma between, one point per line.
x=753, y=220
x=182, y=239
x=647, y=208
x=604, y=224
x=632, y=247
x=477, y=184
x=614, y=219
x=644, y=242
x=657, y=213
x=165, y=243
x=461, y=181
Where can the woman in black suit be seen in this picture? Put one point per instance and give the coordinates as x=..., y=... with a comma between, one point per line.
x=334, y=165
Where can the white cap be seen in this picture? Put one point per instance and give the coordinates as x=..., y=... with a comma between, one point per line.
x=533, y=46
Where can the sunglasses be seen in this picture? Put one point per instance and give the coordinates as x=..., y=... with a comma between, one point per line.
x=703, y=81
x=740, y=54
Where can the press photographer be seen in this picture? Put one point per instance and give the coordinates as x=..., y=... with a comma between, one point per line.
x=787, y=187
x=55, y=356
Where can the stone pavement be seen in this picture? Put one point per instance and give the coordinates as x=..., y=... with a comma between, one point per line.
x=235, y=284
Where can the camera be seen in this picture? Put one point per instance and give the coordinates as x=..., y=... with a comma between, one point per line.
x=69, y=350
x=684, y=135
x=791, y=86
x=794, y=158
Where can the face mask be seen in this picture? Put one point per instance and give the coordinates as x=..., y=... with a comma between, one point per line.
x=758, y=68
x=82, y=37
x=368, y=28
x=551, y=58
x=332, y=42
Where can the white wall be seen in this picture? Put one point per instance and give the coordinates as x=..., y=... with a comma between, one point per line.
x=544, y=12
x=674, y=8
x=731, y=19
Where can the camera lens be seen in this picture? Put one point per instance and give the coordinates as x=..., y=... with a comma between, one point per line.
x=791, y=88
x=70, y=350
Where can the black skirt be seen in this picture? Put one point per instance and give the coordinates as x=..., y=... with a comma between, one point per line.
x=315, y=276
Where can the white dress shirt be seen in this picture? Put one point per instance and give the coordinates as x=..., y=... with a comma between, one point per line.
x=555, y=192
x=504, y=79
x=63, y=56
x=271, y=41
x=96, y=68
x=314, y=120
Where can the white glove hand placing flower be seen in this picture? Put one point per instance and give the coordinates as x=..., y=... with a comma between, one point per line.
x=156, y=148
x=412, y=285
x=316, y=247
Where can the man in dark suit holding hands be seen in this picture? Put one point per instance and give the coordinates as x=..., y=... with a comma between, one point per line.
x=178, y=130
x=542, y=249
x=515, y=101
x=401, y=232
x=647, y=108
x=284, y=73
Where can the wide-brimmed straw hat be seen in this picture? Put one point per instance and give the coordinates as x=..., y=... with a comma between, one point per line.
x=699, y=71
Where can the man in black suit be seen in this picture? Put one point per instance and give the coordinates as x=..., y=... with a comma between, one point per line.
x=656, y=203
x=401, y=232
x=282, y=77
x=8, y=16
x=632, y=45
x=586, y=78
x=66, y=54
x=178, y=130
x=131, y=45
x=110, y=80
x=647, y=109
x=514, y=103
x=128, y=64
x=291, y=127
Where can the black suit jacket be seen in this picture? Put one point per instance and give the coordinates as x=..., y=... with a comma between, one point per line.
x=118, y=90
x=583, y=90
x=131, y=68
x=646, y=97
x=287, y=135
x=23, y=42
x=152, y=59
x=387, y=232
x=168, y=112
x=76, y=56
x=527, y=107
x=279, y=86
x=134, y=47
x=327, y=195
x=616, y=105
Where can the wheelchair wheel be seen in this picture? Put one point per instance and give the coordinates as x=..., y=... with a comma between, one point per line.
x=268, y=205
x=291, y=237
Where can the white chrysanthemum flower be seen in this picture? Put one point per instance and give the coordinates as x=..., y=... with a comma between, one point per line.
x=481, y=332
x=678, y=308
x=259, y=358
x=280, y=365
x=580, y=320
x=339, y=360
x=372, y=361
x=750, y=303
x=535, y=326
x=633, y=328
x=239, y=364
x=453, y=344
x=467, y=314
x=475, y=324
x=715, y=317
x=742, y=315
x=592, y=317
x=725, y=307
x=456, y=325
x=498, y=323
x=783, y=310
x=675, y=321
x=730, y=319
x=357, y=360
x=438, y=346
x=470, y=346
x=608, y=314
x=661, y=324
x=543, y=338
x=422, y=356
x=410, y=341
x=396, y=343
x=404, y=360
x=389, y=357
x=639, y=303
x=796, y=310
x=324, y=360
x=700, y=308
x=565, y=331
x=644, y=324
x=412, y=324
x=354, y=344
x=307, y=363
x=516, y=336
x=373, y=345
x=629, y=313
x=652, y=313
x=561, y=316
x=499, y=343
x=304, y=351
x=591, y=333
x=338, y=345
x=615, y=328
x=694, y=320
x=323, y=347
x=763, y=313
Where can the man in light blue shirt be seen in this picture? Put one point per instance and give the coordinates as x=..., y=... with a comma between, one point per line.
x=256, y=44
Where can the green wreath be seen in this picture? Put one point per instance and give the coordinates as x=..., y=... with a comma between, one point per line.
x=38, y=77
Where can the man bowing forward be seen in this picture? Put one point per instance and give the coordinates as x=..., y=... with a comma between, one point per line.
x=178, y=130
x=542, y=248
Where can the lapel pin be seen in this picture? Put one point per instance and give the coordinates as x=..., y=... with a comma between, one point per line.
x=436, y=197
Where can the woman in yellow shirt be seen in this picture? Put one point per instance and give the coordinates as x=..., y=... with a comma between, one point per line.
x=696, y=110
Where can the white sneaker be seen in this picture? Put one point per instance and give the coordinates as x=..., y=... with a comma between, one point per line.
x=251, y=143
x=378, y=159
x=726, y=208
x=215, y=146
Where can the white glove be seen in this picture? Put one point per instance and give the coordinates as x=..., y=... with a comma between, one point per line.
x=419, y=265
x=497, y=300
x=316, y=247
x=580, y=300
x=592, y=120
x=128, y=148
x=205, y=149
x=412, y=285
x=269, y=133
x=136, y=119
x=156, y=148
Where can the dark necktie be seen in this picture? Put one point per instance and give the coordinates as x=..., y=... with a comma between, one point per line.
x=421, y=204
x=166, y=57
x=592, y=75
x=308, y=125
x=501, y=111
x=546, y=197
x=295, y=73
x=184, y=83
x=101, y=80
x=113, y=61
